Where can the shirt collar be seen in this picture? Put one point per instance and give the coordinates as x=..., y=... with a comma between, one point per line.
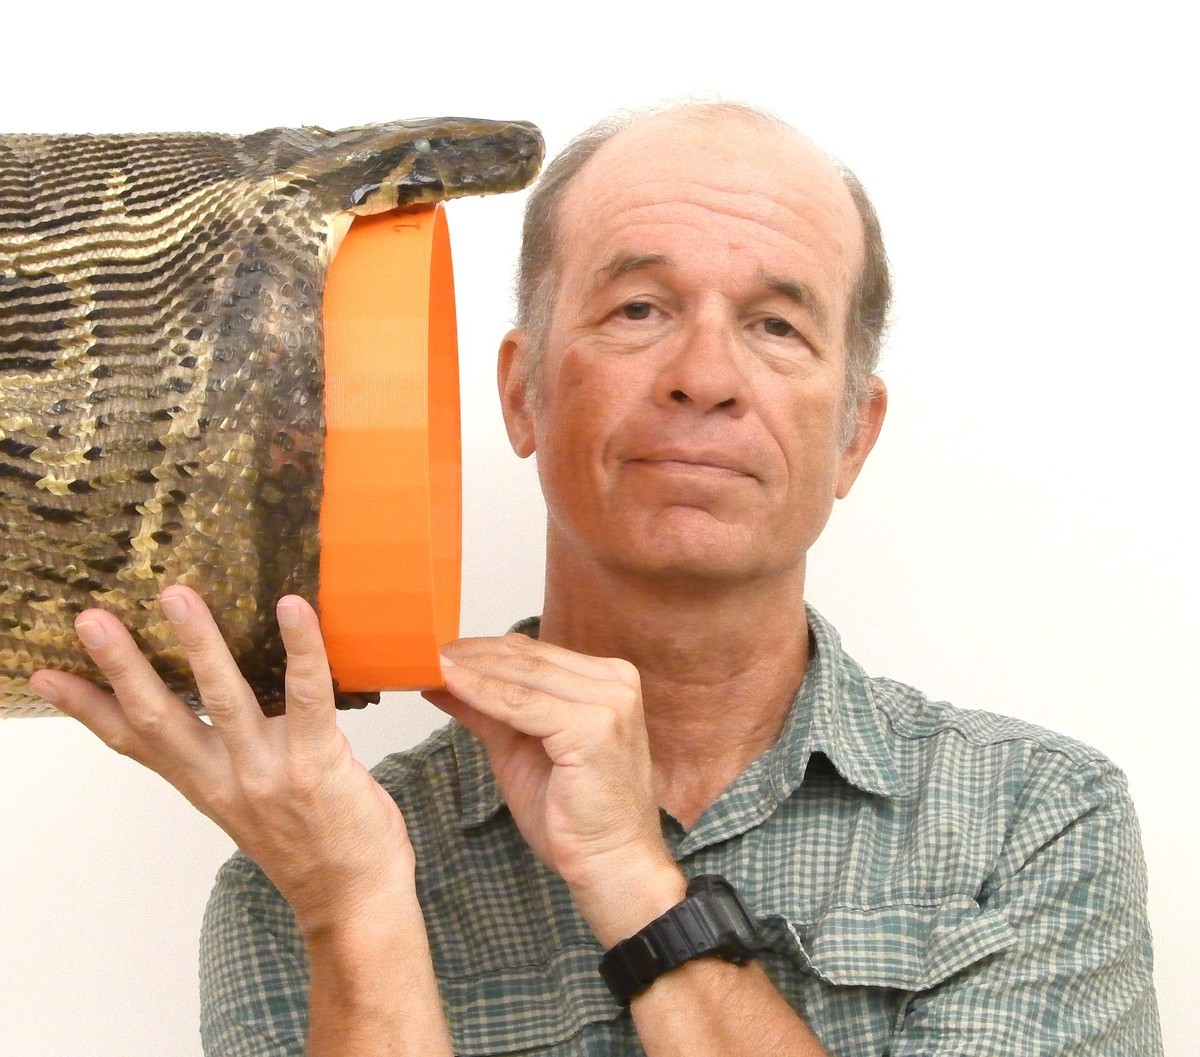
x=833, y=713
x=844, y=723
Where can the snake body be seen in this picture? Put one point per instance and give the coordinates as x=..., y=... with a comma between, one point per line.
x=161, y=368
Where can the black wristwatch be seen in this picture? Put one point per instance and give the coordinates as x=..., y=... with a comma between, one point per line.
x=712, y=920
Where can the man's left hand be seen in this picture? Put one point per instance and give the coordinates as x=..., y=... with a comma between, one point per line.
x=567, y=742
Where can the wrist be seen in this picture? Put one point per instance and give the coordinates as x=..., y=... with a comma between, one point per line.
x=711, y=922
x=623, y=900
x=374, y=913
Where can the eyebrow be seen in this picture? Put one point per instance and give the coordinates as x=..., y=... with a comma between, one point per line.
x=624, y=263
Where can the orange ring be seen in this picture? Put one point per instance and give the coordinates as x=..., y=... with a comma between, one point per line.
x=391, y=514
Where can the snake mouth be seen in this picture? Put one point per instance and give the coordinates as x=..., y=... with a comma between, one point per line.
x=409, y=163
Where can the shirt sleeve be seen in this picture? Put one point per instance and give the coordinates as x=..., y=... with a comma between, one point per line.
x=253, y=969
x=1071, y=882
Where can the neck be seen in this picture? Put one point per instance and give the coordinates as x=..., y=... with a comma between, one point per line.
x=719, y=662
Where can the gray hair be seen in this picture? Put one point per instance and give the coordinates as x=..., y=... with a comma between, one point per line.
x=537, y=285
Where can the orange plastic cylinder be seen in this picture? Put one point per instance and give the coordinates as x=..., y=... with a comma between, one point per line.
x=391, y=513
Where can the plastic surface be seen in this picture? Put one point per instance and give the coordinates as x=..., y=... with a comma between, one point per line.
x=391, y=514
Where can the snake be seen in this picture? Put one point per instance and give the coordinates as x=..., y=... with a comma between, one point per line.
x=161, y=373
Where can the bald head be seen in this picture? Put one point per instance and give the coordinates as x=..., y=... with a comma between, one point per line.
x=744, y=143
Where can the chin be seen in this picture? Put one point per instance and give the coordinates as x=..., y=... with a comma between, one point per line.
x=682, y=547
x=698, y=564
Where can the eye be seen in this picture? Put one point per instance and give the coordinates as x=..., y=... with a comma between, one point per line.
x=637, y=310
x=778, y=328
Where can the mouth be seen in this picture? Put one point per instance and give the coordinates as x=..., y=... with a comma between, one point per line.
x=704, y=464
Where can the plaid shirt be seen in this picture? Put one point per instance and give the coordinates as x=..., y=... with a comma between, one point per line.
x=929, y=881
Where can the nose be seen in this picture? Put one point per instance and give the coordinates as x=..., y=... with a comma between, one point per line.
x=702, y=368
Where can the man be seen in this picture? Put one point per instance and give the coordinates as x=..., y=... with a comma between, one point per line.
x=702, y=297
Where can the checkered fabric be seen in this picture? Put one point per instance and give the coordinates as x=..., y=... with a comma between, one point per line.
x=930, y=882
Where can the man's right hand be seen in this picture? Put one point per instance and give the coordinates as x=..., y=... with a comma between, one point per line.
x=287, y=789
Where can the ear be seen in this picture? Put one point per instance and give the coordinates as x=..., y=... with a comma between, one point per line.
x=512, y=375
x=871, y=410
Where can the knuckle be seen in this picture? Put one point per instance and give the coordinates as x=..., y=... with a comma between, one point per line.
x=521, y=696
x=258, y=786
x=528, y=664
x=519, y=642
x=304, y=649
x=118, y=670
x=625, y=700
x=304, y=775
x=626, y=672
x=125, y=743
x=147, y=724
x=223, y=701
x=308, y=681
x=309, y=698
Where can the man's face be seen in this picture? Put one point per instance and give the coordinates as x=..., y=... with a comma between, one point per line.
x=692, y=385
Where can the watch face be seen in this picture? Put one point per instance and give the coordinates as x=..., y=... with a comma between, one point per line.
x=734, y=927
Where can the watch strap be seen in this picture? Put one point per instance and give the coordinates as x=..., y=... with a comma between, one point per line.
x=710, y=921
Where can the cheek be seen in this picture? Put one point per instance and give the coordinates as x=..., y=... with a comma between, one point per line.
x=810, y=444
x=571, y=431
x=586, y=395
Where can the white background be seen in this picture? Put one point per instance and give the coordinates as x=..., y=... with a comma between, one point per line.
x=1022, y=540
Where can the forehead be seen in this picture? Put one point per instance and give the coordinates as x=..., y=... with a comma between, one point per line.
x=757, y=194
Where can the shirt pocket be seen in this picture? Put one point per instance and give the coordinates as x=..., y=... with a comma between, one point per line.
x=907, y=946
x=528, y=1007
x=851, y=972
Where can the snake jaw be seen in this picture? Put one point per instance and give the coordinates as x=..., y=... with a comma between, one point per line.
x=450, y=160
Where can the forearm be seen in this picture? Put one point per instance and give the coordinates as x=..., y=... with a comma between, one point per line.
x=710, y=1008
x=373, y=992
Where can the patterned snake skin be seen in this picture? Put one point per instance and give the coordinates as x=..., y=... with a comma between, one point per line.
x=161, y=369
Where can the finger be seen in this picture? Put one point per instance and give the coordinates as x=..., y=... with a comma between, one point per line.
x=227, y=697
x=91, y=706
x=492, y=732
x=550, y=669
x=547, y=703
x=157, y=716
x=158, y=744
x=308, y=685
x=531, y=712
x=463, y=651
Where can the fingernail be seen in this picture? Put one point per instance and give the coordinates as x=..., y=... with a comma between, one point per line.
x=174, y=607
x=287, y=612
x=91, y=633
x=46, y=690
x=446, y=662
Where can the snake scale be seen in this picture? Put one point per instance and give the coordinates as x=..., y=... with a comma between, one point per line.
x=161, y=369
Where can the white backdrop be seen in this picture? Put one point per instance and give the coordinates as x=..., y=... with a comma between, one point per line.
x=1023, y=538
